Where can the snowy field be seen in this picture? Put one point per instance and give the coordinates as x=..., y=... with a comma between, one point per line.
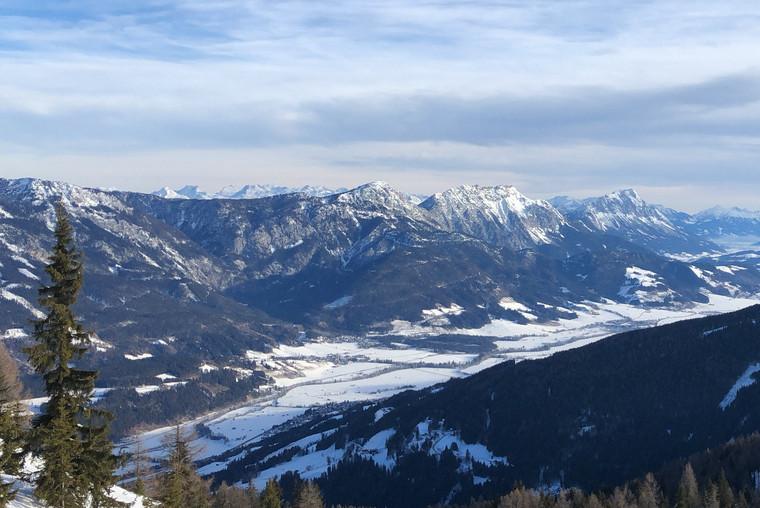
x=323, y=372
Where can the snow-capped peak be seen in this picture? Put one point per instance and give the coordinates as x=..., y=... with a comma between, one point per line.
x=378, y=194
x=721, y=212
x=499, y=214
x=251, y=191
x=47, y=191
x=193, y=192
x=167, y=193
x=622, y=209
x=626, y=195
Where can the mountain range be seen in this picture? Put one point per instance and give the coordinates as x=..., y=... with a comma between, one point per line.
x=182, y=281
x=254, y=191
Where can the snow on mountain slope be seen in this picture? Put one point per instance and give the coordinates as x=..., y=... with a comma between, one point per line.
x=624, y=213
x=224, y=275
x=144, y=281
x=378, y=197
x=128, y=238
x=168, y=193
x=722, y=212
x=254, y=191
x=734, y=229
x=499, y=215
x=618, y=210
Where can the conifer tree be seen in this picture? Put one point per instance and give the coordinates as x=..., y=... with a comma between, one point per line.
x=11, y=425
x=688, y=489
x=725, y=492
x=272, y=495
x=309, y=496
x=650, y=495
x=181, y=485
x=138, y=460
x=172, y=495
x=73, y=444
x=98, y=461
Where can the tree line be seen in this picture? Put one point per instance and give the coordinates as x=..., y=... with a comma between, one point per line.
x=644, y=493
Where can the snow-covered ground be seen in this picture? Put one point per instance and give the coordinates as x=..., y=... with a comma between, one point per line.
x=26, y=499
x=323, y=372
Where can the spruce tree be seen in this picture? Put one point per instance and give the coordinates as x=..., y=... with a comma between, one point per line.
x=72, y=443
x=98, y=461
x=181, y=485
x=272, y=495
x=11, y=425
x=172, y=495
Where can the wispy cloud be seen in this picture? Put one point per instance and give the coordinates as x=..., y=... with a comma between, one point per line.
x=365, y=84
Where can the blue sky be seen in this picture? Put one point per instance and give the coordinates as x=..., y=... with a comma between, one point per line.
x=563, y=97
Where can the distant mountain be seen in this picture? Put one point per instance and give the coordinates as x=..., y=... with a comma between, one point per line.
x=591, y=417
x=625, y=214
x=721, y=212
x=190, y=280
x=245, y=192
x=498, y=215
x=732, y=228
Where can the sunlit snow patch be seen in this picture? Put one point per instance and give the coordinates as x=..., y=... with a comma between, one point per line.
x=141, y=356
x=15, y=333
x=340, y=302
x=744, y=381
x=206, y=368
x=12, y=297
x=644, y=286
x=26, y=273
x=512, y=304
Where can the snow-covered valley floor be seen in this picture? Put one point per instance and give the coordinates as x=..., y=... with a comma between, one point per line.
x=324, y=372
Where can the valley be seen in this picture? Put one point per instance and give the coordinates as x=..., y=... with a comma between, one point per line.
x=330, y=374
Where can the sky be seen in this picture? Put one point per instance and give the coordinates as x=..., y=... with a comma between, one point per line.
x=555, y=97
